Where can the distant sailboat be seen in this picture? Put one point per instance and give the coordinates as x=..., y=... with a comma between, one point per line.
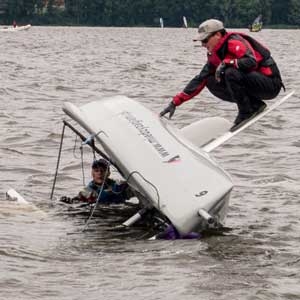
x=185, y=22
x=161, y=21
x=256, y=25
x=16, y=28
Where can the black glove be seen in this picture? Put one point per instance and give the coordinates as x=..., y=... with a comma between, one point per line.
x=220, y=71
x=169, y=109
x=67, y=200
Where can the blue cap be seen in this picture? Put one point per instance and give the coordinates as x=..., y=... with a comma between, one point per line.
x=100, y=163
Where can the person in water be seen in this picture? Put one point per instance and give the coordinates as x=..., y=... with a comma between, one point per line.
x=238, y=69
x=102, y=189
x=105, y=190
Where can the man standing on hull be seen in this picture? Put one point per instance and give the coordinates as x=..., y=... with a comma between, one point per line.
x=238, y=69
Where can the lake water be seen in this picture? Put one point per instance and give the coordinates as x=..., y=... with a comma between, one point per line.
x=47, y=255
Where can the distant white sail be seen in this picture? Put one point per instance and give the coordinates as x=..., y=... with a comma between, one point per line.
x=161, y=21
x=257, y=24
x=258, y=19
x=185, y=22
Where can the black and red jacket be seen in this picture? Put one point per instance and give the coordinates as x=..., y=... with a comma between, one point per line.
x=240, y=51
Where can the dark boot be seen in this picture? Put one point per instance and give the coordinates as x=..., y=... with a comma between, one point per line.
x=258, y=105
x=248, y=109
x=245, y=110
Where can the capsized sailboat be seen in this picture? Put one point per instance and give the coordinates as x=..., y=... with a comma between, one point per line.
x=256, y=25
x=171, y=177
x=170, y=170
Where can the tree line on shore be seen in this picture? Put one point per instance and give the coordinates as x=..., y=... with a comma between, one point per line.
x=234, y=13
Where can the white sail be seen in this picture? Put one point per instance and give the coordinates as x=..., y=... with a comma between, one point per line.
x=185, y=22
x=257, y=24
x=161, y=21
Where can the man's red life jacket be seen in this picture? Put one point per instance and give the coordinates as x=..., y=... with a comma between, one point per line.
x=259, y=52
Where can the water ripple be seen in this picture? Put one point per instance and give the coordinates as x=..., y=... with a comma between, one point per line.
x=45, y=254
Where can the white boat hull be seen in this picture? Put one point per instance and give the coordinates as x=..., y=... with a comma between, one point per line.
x=12, y=29
x=170, y=172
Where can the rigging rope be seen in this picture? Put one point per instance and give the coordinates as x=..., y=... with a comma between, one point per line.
x=97, y=201
x=58, y=161
x=90, y=141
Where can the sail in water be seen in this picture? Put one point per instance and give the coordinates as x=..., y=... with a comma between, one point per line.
x=185, y=25
x=256, y=25
x=161, y=21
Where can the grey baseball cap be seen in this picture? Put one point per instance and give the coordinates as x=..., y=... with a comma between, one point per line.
x=207, y=28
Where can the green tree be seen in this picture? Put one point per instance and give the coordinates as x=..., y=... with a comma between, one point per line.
x=279, y=12
x=294, y=12
x=234, y=13
x=50, y=8
x=15, y=9
x=39, y=6
x=28, y=7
